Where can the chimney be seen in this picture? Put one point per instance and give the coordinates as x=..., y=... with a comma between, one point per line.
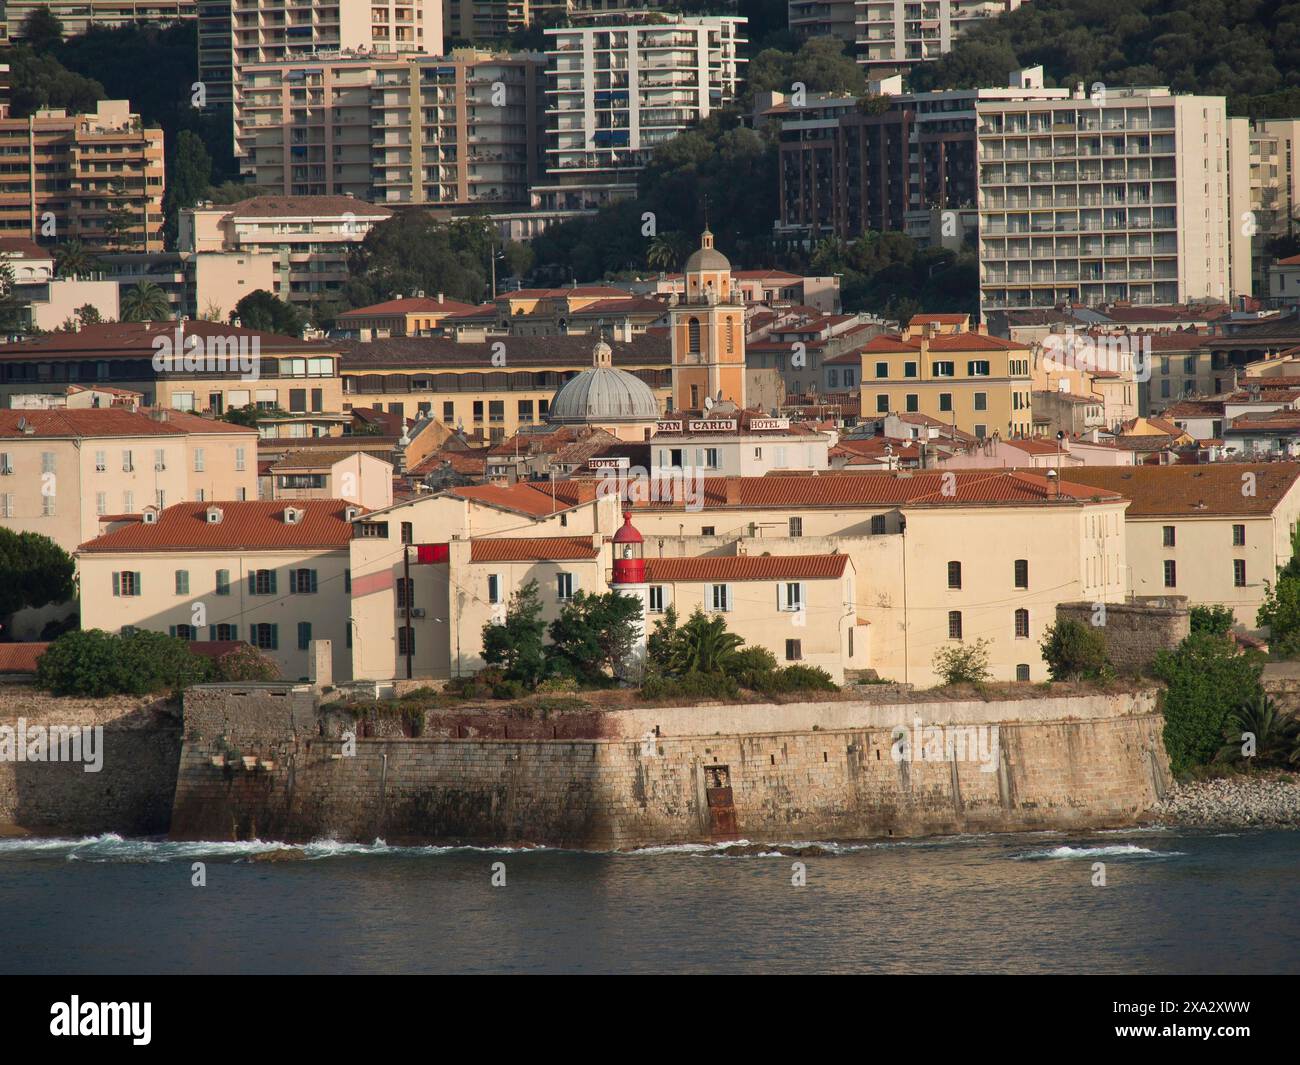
x=733, y=491
x=441, y=298
x=1053, y=485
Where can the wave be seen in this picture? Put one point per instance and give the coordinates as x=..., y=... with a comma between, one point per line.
x=110, y=847
x=1126, y=850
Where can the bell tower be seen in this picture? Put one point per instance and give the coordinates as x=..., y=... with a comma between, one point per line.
x=708, y=332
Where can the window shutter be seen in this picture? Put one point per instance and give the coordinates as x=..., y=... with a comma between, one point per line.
x=252, y=582
x=313, y=579
x=234, y=632
x=212, y=632
x=138, y=585
x=275, y=637
x=272, y=572
x=223, y=582
x=171, y=630
x=347, y=580
x=117, y=583
x=304, y=635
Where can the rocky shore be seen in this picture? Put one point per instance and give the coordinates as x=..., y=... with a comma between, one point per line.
x=1233, y=802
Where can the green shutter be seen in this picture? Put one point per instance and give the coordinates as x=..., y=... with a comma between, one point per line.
x=212, y=632
x=182, y=582
x=347, y=580
x=304, y=635
x=252, y=582
x=234, y=632
x=171, y=630
x=313, y=579
x=138, y=584
x=117, y=583
x=272, y=573
x=275, y=637
x=223, y=582
x=347, y=627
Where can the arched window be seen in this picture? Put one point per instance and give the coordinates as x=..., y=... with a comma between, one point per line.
x=693, y=336
x=731, y=335
x=1022, y=624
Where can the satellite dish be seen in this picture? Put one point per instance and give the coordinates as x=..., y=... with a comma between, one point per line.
x=708, y=403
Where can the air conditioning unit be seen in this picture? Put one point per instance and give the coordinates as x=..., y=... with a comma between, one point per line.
x=417, y=611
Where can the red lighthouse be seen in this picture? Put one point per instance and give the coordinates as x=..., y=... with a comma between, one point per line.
x=629, y=551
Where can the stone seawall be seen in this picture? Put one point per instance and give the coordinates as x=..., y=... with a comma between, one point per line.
x=255, y=764
x=132, y=792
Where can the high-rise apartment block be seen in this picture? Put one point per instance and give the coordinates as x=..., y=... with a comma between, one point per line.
x=892, y=36
x=81, y=16
x=1121, y=196
x=1267, y=168
x=97, y=178
x=275, y=31
x=459, y=130
x=620, y=87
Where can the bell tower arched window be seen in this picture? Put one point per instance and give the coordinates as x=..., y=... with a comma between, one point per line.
x=693, y=336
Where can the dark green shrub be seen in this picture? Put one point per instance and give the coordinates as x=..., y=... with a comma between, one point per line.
x=1074, y=651
x=244, y=663
x=1214, y=619
x=963, y=663
x=97, y=663
x=690, y=686
x=795, y=679
x=509, y=689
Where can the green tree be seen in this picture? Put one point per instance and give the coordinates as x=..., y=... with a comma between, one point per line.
x=88, y=314
x=703, y=645
x=516, y=645
x=41, y=29
x=1075, y=651
x=963, y=663
x=1205, y=678
x=145, y=302
x=98, y=663
x=122, y=220
x=1257, y=734
x=37, y=572
x=72, y=259
x=14, y=312
x=41, y=81
x=266, y=312
x=667, y=251
x=1216, y=619
x=519, y=258
x=594, y=636
x=189, y=177
x=244, y=663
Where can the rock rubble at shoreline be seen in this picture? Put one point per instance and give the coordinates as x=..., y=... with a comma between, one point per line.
x=1232, y=802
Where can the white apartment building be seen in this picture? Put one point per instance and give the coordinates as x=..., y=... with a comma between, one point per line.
x=308, y=237
x=618, y=88
x=1265, y=208
x=271, y=31
x=1094, y=199
x=892, y=36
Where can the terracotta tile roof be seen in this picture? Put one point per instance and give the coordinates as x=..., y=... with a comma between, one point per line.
x=531, y=498
x=939, y=319
x=746, y=568
x=532, y=549
x=765, y=275
x=305, y=207
x=24, y=248
x=440, y=353
x=468, y=463
x=251, y=525
x=92, y=422
x=973, y=342
x=926, y=488
x=1290, y=260
x=1033, y=447
x=20, y=657
x=1194, y=408
x=136, y=340
x=1207, y=490
x=299, y=460
x=198, y=423
x=409, y=305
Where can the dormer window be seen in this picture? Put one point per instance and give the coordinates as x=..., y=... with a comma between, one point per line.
x=214, y=515
x=350, y=513
x=292, y=515
x=150, y=515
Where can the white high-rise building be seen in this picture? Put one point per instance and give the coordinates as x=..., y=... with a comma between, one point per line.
x=618, y=88
x=1095, y=198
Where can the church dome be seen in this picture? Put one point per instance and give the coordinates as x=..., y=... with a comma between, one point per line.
x=603, y=394
x=706, y=256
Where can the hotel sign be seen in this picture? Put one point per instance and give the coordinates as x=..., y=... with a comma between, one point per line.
x=668, y=427
x=613, y=462
x=769, y=423
x=713, y=425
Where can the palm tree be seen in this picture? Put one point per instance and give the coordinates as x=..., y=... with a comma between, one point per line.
x=73, y=260
x=666, y=251
x=1276, y=734
x=146, y=302
x=704, y=645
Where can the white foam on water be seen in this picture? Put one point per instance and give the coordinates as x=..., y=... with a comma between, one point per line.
x=1126, y=850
